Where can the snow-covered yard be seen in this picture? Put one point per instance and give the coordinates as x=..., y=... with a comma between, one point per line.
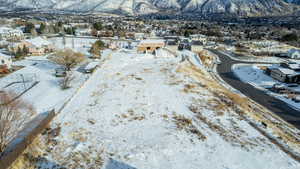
x=254, y=75
x=143, y=112
x=47, y=94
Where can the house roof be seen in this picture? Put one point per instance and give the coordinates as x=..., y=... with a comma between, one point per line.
x=152, y=41
x=293, y=51
x=6, y=30
x=294, y=66
x=287, y=71
x=5, y=56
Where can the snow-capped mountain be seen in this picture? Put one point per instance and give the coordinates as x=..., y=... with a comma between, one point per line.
x=240, y=7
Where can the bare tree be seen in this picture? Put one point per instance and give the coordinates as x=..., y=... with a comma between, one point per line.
x=67, y=58
x=66, y=81
x=13, y=115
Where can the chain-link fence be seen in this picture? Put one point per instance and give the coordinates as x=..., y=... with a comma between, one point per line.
x=18, y=83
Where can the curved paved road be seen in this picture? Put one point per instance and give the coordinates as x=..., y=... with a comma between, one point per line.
x=277, y=106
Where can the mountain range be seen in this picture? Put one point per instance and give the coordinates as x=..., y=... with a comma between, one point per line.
x=139, y=7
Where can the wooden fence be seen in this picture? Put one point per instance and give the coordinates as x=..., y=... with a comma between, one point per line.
x=18, y=145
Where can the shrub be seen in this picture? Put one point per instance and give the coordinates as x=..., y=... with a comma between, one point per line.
x=13, y=115
x=97, y=47
x=289, y=37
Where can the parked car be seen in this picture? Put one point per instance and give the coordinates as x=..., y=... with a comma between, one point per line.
x=60, y=72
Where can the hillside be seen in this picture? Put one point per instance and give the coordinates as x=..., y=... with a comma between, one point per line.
x=138, y=111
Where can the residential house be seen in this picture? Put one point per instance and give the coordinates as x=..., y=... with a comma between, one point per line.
x=83, y=32
x=139, y=36
x=294, y=53
x=185, y=45
x=171, y=40
x=5, y=62
x=285, y=75
x=36, y=46
x=129, y=35
x=10, y=34
x=291, y=65
x=199, y=37
x=149, y=46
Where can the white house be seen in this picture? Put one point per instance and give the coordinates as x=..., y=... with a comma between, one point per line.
x=139, y=36
x=36, y=46
x=83, y=32
x=5, y=61
x=294, y=53
x=199, y=37
x=10, y=34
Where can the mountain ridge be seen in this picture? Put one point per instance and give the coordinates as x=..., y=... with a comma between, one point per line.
x=140, y=7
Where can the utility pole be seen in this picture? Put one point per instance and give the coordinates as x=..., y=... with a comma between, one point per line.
x=23, y=81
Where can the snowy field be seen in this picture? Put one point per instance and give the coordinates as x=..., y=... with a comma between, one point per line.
x=139, y=111
x=252, y=74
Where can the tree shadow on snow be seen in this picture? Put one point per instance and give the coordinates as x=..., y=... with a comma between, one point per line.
x=113, y=164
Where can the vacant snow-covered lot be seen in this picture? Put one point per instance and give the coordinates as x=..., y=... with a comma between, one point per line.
x=142, y=112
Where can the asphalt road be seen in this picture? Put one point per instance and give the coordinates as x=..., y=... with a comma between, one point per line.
x=275, y=105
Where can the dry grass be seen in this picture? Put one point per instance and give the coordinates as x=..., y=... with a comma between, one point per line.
x=228, y=136
x=190, y=88
x=186, y=124
x=220, y=113
x=130, y=116
x=241, y=105
x=30, y=156
x=80, y=135
x=182, y=122
x=205, y=58
x=165, y=116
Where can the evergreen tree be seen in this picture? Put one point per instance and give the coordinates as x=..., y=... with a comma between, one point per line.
x=98, y=26
x=19, y=53
x=55, y=28
x=43, y=28
x=25, y=51
x=290, y=37
x=28, y=27
x=70, y=30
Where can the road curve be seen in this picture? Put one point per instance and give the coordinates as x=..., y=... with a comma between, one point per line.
x=275, y=105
